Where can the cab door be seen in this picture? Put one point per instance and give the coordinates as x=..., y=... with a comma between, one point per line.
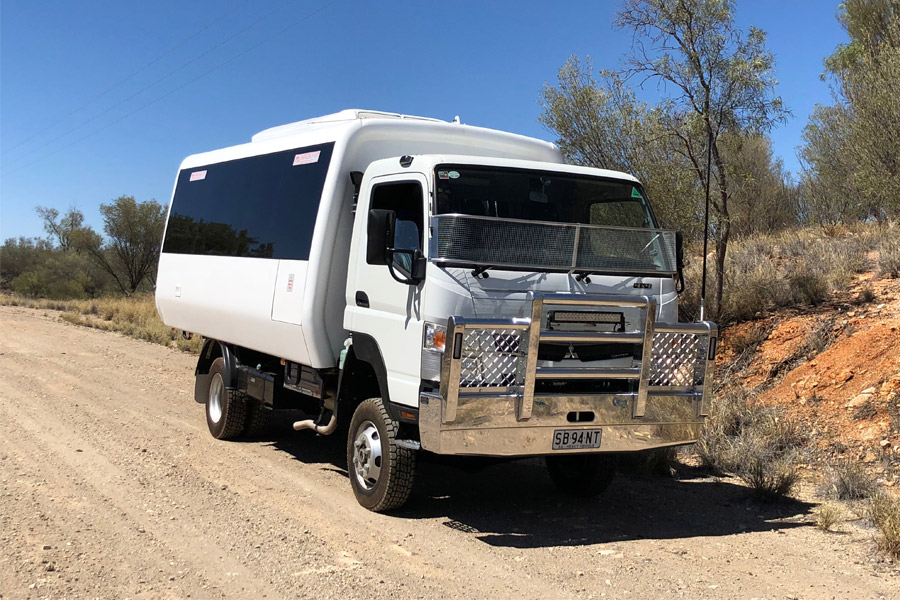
x=382, y=307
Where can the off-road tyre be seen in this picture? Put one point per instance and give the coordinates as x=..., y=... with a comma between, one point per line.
x=226, y=409
x=585, y=475
x=258, y=418
x=397, y=466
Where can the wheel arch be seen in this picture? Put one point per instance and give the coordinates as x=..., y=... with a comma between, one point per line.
x=213, y=349
x=362, y=377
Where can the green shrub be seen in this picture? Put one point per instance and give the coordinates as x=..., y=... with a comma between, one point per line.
x=60, y=275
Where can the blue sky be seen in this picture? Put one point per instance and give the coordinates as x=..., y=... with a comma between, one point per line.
x=213, y=73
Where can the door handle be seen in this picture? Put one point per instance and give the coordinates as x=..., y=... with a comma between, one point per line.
x=362, y=299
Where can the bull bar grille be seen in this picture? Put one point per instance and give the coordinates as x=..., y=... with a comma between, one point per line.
x=492, y=358
x=678, y=359
x=499, y=357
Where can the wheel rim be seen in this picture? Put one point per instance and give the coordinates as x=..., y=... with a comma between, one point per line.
x=216, y=393
x=367, y=456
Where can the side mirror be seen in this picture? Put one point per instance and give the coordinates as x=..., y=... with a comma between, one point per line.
x=679, y=261
x=405, y=266
x=380, y=234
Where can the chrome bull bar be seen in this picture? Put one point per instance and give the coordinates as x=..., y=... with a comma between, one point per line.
x=499, y=357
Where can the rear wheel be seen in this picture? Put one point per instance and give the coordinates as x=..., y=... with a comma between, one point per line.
x=585, y=475
x=381, y=472
x=258, y=417
x=226, y=409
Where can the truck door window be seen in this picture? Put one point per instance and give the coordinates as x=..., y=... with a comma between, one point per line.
x=406, y=200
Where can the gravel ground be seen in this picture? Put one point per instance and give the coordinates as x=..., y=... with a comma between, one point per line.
x=111, y=487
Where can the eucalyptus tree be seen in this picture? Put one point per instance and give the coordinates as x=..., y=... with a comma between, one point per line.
x=716, y=79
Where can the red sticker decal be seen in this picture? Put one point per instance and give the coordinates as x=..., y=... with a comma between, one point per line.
x=307, y=158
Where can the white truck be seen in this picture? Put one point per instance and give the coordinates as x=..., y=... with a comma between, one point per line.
x=431, y=286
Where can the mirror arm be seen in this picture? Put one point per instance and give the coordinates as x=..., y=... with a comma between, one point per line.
x=412, y=279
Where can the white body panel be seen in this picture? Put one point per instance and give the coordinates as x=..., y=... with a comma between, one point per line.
x=290, y=284
x=198, y=294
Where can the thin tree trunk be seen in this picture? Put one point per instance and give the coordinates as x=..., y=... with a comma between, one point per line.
x=724, y=229
x=721, y=251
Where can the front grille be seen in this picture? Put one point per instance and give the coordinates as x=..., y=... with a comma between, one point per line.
x=588, y=352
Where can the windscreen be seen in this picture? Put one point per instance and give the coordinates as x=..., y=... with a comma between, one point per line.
x=541, y=196
x=541, y=220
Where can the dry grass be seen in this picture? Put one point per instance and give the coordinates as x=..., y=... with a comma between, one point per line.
x=794, y=267
x=134, y=316
x=866, y=295
x=849, y=481
x=889, y=255
x=768, y=474
x=749, y=339
x=756, y=443
x=829, y=514
x=884, y=511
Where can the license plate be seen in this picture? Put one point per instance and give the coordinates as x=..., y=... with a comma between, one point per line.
x=576, y=439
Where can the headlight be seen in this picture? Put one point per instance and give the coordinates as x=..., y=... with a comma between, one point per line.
x=433, y=343
x=435, y=337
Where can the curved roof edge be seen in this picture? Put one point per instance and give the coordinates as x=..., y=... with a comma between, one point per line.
x=350, y=114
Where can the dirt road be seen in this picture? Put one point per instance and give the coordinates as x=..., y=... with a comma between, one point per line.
x=111, y=487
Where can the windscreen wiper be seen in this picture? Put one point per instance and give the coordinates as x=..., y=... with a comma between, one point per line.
x=481, y=271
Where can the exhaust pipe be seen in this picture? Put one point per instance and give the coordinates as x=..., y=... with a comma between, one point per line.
x=320, y=429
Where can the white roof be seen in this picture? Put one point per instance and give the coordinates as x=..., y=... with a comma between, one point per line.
x=350, y=114
x=402, y=134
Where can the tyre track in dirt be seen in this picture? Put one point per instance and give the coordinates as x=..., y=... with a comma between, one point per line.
x=105, y=458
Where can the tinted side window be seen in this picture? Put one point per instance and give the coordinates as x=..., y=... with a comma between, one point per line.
x=261, y=206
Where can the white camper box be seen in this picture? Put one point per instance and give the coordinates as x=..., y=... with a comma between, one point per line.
x=432, y=286
x=294, y=309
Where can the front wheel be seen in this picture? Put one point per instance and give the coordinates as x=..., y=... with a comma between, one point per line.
x=585, y=475
x=381, y=472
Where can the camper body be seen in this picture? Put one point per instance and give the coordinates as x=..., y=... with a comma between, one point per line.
x=432, y=286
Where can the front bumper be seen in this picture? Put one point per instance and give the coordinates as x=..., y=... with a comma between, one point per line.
x=487, y=404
